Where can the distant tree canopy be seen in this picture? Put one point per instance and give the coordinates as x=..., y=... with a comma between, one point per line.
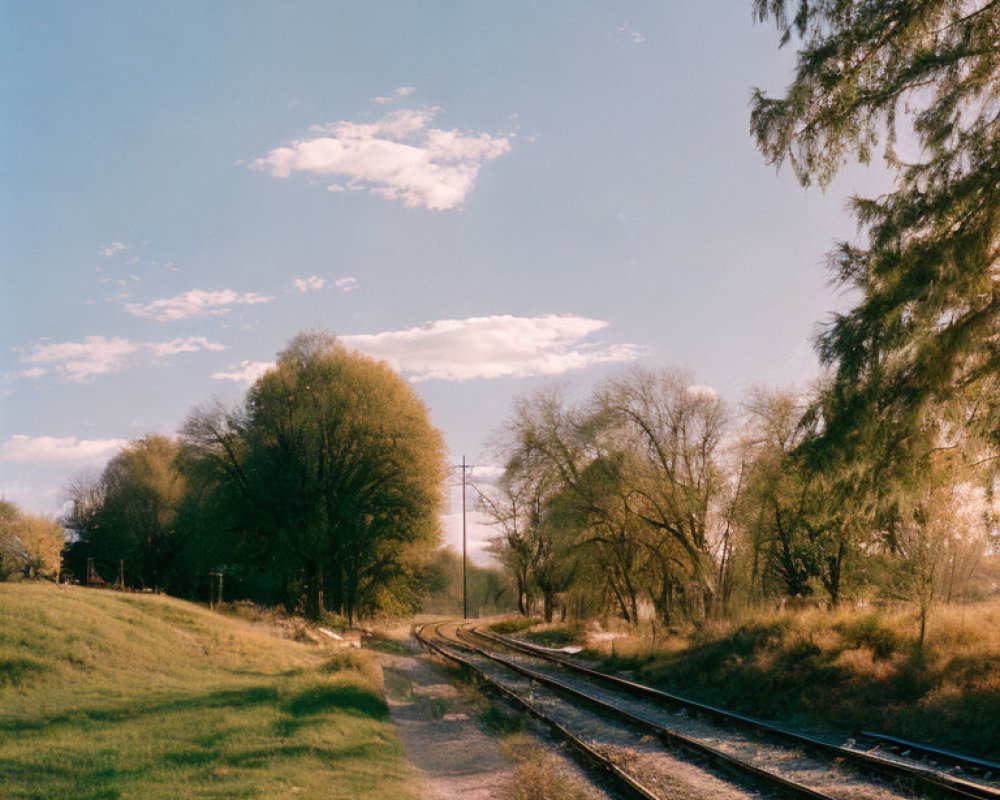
x=127, y=515
x=30, y=544
x=320, y=490
x=651, y=499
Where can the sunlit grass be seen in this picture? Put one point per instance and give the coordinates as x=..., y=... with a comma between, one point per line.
x=104, y=695
x=846, y=669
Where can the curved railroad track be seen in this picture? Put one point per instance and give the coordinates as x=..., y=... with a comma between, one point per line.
x=898, y=759
x=633, y=733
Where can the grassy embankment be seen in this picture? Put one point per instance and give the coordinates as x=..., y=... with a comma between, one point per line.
x=844, y=670
x=106, y=695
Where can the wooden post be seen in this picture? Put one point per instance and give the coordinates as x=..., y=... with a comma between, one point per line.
x=212, y=601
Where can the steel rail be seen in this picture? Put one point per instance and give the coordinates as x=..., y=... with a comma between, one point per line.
x=632, y=787
x=931, y=781
x=746, y=772
x=929, y=751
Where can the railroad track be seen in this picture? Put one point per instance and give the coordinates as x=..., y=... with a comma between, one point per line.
x=631, y=786
x=544, y=689
x=928, y=779
x=932, y=755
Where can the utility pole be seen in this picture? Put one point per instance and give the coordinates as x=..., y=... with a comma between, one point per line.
x=465, y=582
x=465, y=466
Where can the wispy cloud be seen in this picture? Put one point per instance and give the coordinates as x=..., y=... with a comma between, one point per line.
x=631, y=34
x=33, y=373
x=245, y=372
x=195, y=303
x=310, y=284
x=348, y=284
x=399, y=157
x=382, y=100
x=192, y=344
x=111, y=249
x=68, y=451
x=98, y=355
x=405, y=91
x=493, y=347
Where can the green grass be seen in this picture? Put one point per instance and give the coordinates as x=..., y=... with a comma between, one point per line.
x=844, y=669
x=106, y=696
x=561, y=635
x=509, y=627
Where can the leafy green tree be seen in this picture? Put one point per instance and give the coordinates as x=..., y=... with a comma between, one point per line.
x=329, y=475
x=669, y=433
x=632, y=482
x=43, y=538
x=922, y=346
x=128, y=514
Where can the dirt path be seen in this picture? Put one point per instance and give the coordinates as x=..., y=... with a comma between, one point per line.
x=440, y=734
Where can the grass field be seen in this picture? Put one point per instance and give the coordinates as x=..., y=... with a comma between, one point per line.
x=845, y=670
x=106, y=695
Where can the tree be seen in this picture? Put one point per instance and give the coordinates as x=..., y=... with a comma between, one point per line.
x=128, y=513
x=13, y=555
x=634, y=476
x=328, y=476
x=30, y=544
x=514, y=507
x=533, y=541
x=669, y=432
x=923, y=343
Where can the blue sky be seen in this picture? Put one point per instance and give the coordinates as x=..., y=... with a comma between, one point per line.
x=493, y=196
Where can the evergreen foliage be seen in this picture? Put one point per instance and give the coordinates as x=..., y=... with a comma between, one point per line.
x=917, y=361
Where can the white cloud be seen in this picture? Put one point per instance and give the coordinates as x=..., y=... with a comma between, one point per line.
x=312, y=283
x=34, y=372
x=348, y=284
x=405, y=91
x=111, y=249
x=630, y=34
x=398, y=158
x=98, y=355
x=382, y=100
x=95, y=355
x=492, y=347
x=52, y=450
x=192, y=344
x=194, y=303
x=246, y=372
x=703, y=390
x=486, y=473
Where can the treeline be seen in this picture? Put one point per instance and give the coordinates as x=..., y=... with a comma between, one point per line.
x=319, y=492
x=651, y=498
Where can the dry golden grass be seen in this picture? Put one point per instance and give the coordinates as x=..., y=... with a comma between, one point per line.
x=844, y=669
x=539, y=775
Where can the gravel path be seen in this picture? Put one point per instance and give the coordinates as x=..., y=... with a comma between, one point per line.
x=440, y=735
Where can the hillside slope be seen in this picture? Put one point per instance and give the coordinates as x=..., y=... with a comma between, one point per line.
x=106, y=695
